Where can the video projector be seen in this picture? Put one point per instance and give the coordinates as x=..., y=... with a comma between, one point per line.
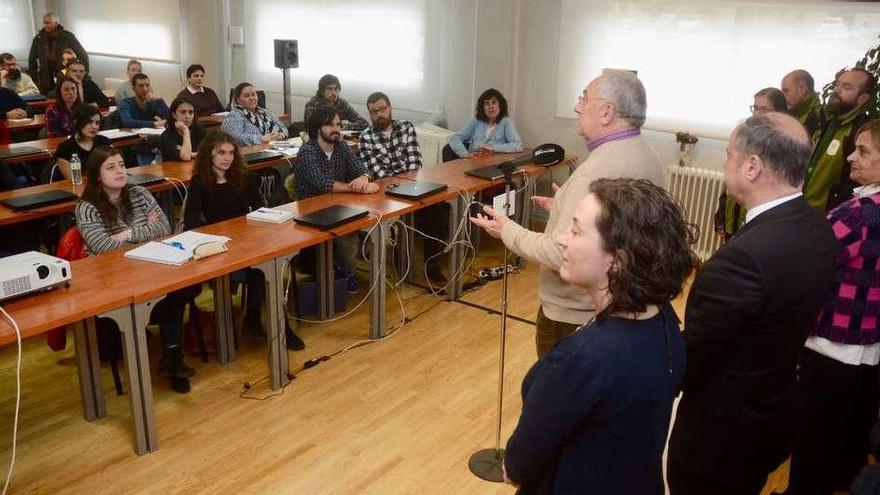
x=31, y=271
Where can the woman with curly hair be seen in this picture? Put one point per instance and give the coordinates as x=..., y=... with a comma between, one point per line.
x=596, y=408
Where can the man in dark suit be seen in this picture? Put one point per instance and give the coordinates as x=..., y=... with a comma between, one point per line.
x=748, y=314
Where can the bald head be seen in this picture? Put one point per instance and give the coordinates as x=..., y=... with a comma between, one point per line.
x=797, y=86
x=780, y=141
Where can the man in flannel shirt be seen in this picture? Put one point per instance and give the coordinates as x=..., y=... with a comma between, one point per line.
x=326, y=164
x=388, y=147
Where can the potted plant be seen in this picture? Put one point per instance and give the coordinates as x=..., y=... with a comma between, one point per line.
x=686, y=142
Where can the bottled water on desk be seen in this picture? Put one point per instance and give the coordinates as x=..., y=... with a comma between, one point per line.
x=76, y=176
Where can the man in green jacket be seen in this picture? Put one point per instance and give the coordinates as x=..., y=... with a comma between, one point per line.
x=827, y=183
x=803, y=102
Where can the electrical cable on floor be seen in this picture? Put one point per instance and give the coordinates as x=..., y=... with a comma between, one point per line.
x=17, y=397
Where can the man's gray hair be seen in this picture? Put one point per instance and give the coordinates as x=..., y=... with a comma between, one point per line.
x=625, y=91
x=51, y=15
x=785, y=151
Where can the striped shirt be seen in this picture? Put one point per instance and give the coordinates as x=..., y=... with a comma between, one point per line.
x=97, y=235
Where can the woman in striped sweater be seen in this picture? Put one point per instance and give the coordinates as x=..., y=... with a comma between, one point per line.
x=113, y=214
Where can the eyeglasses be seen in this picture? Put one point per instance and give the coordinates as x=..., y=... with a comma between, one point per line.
x=753, y=109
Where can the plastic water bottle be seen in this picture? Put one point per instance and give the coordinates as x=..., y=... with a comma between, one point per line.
x=76, y=176
x=158, y=156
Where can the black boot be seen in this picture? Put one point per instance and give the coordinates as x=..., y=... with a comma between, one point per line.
x=179, y=384
x=172, y=365
x=294, y=343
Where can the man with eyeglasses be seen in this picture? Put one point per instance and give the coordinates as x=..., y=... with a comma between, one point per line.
x=827, y=183
x=12, y=77
x=611, y=112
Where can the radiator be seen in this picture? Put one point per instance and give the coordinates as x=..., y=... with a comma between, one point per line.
x=697, y=191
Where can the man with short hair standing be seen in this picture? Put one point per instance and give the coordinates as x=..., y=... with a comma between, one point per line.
x=44, y=60
x=611, y=112
x=748, y=314
x=204, y=99
x=802, y=100
x=827, y=183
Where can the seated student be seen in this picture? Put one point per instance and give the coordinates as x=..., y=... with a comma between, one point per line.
x=125, y=90
x=8, y=180
x=112, y=214
x=12, y=106
x=204, y=98
x=85, y=138
x=490, y=131
x=326, y=164
x=388, y=147
x=12, y=77
x=59, y=117
x=183, y=133
x=249, y=123
x=328, y=96
x=139, y=110
x=67, y=56
x=88, y=90
x=221, y=188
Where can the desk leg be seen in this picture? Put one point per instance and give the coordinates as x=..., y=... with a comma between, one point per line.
x=377, y=281
x=89, y=369
x=324, y=273
x=224, y=328
x=405, y=248
x=132, y=322
x=458, y=251
x=273, y=270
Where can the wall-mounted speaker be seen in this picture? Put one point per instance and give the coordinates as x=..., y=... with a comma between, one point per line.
x=286, y=54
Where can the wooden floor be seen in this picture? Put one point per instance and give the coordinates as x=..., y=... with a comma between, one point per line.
x=396, y=417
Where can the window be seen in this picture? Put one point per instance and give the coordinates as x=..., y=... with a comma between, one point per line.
x=17, y=28
x=376, y=46
x=701, y=62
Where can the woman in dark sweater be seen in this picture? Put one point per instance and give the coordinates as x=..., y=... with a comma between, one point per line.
x=86, y=124
x=59, y=117
x=183, y=134
x=596, y=408
x=221, y=188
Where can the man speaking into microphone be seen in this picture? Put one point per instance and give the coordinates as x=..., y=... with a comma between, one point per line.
x=611, y=112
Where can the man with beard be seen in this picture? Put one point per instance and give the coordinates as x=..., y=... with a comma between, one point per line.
x=13, y=78
x=44, y=60
x=325, y=164
x=388, y=147
x=327, y=95
x=827, y=183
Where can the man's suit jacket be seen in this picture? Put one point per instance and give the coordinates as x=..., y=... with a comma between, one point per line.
x=748, y=314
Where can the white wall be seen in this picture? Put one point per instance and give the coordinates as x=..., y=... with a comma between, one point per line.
x=536, y=92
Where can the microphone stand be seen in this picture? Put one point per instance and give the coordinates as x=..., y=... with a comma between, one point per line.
x=488, y=463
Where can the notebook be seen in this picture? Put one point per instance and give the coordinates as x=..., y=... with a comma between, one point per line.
x=414, y=190
x=490, y=173
x=175, y=250
x=22, y=203
x=144, y=179
x=270, y=215
x=262, y=156
x=19, y=151
x=331, y=217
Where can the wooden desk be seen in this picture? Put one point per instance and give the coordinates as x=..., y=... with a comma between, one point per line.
x=40, y=106
x=32, y=124
x=49, y=146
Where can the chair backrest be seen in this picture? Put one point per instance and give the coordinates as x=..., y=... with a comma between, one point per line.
x=261, y=98
x=71, y=246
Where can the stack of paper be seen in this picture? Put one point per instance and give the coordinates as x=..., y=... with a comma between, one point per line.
x=270, y=215
x=149, y=131
x=113, y=134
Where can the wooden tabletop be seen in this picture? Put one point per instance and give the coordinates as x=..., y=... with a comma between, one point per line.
x=96, y=285
x=30, y=124
x=40, y=106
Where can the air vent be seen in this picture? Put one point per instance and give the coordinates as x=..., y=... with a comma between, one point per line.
x=16, y=286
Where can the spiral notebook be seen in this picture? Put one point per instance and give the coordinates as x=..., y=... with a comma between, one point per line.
x=175, y=250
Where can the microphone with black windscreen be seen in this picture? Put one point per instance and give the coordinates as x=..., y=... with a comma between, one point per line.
x=544, y=155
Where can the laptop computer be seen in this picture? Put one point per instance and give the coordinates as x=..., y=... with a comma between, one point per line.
x=22, y=203
x=19, y=151
x=262, y=156
x=144, y=179
x=33, y=98
x=330, y=217
x=490, y=173
x=414, y=190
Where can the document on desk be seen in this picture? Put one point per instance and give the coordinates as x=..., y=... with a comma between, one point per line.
x=113, y=134
x=179, y=249
x=149, y=131
x=270, y=215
